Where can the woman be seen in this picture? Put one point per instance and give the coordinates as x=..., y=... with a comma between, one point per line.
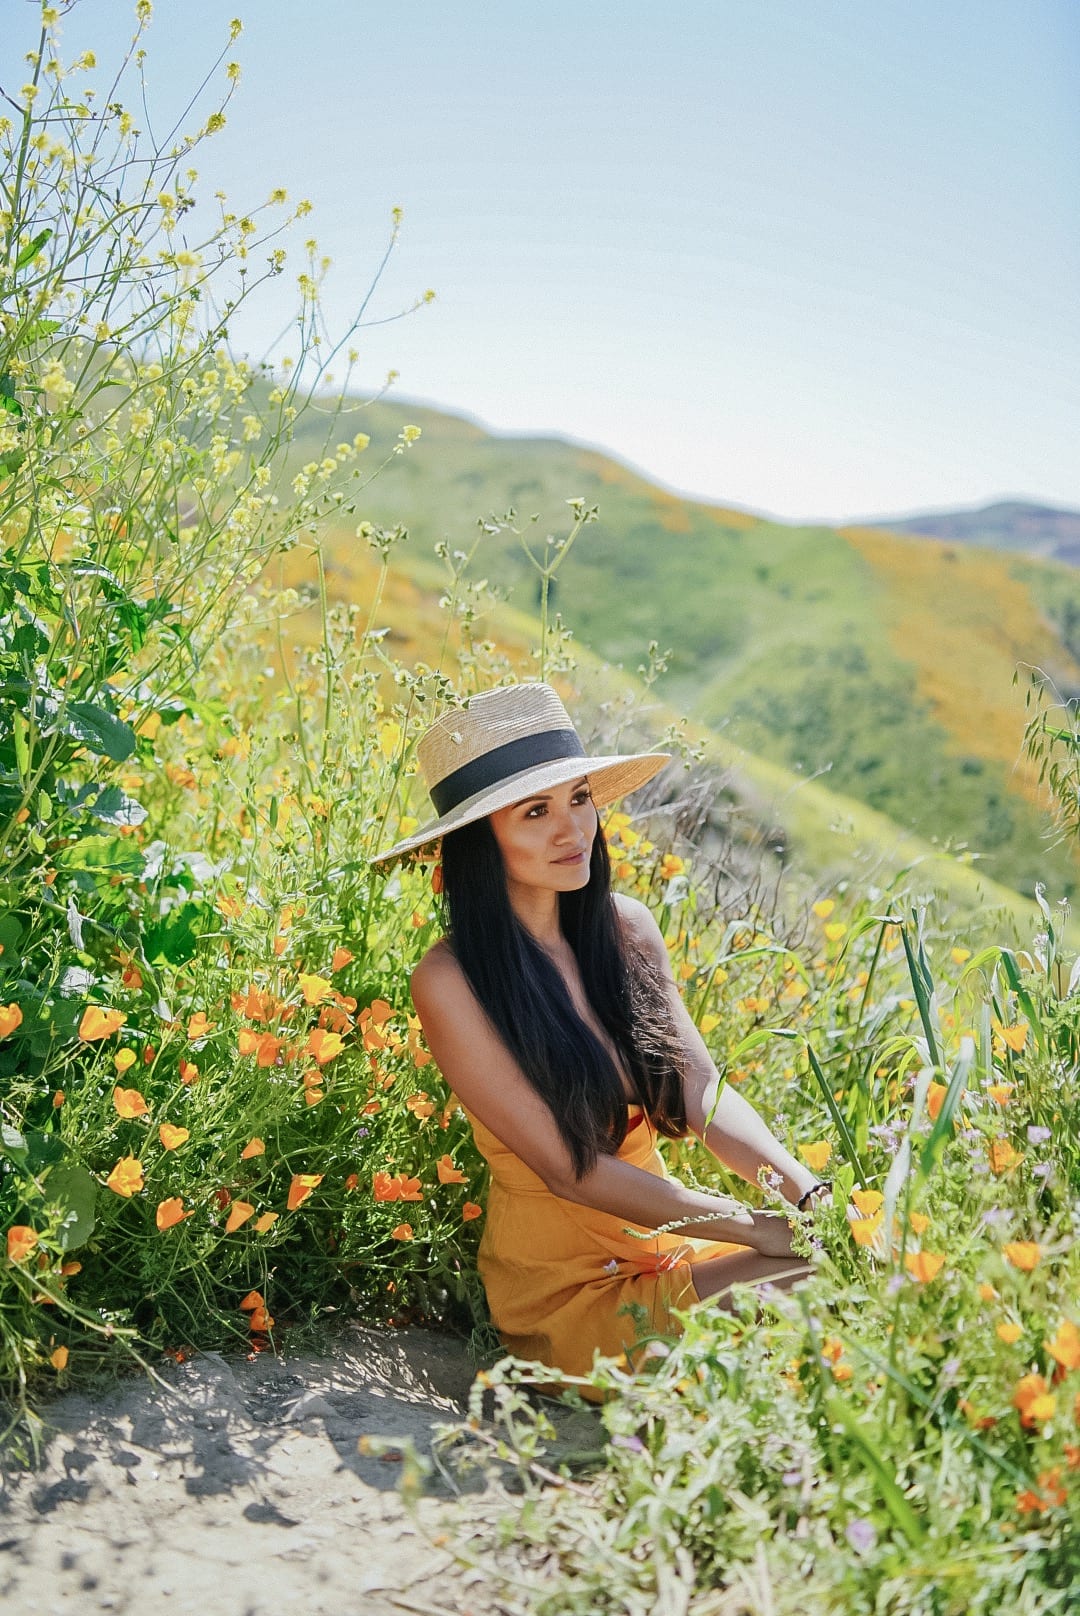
x=551, y=1010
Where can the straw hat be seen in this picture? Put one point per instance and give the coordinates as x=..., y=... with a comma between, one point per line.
x=507, y=744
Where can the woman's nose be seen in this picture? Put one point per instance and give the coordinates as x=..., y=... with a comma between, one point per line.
x=565, y=827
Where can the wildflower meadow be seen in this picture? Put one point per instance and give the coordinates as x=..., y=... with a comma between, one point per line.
x=220, y=1125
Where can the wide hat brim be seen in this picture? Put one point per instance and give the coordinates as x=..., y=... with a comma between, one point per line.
x=609, y=779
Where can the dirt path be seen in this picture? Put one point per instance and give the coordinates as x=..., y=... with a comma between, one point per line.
x=239, y=1490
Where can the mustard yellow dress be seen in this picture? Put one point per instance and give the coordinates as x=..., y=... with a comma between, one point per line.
x=557, y=1275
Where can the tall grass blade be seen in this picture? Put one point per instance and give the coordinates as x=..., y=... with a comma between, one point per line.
x=943, y=1126
x=1023, y=998
x=846, y=1141
x=879, y=1467
x=922, y=984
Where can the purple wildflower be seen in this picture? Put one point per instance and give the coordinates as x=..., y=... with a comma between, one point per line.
x=633, y=1443
x=861, y=1535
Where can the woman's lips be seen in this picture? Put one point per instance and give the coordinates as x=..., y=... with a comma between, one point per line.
x=572, y=858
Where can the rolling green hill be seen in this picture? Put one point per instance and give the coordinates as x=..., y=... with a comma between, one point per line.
x=882, y=663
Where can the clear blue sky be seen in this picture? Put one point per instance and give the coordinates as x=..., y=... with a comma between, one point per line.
x=815, y=257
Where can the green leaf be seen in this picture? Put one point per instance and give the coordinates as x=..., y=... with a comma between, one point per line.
x=42, y=1150
x=116, y=808
x=12, y=1143
x=11, y=935
x=32, y=248
x=174, y=938
x=103, y=853
x=22, y=749
x=101, y=731
x=70, y=1189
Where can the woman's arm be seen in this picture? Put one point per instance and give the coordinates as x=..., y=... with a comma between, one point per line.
x=731, y=1129
x=484, y=1075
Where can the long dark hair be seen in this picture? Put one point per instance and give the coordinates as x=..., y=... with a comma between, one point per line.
x=526, y=998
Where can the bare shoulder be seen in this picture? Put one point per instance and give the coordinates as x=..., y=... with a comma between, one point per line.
x=438, y=976
x=639, y=925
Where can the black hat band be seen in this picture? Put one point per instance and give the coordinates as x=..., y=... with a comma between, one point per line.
x=503, y=761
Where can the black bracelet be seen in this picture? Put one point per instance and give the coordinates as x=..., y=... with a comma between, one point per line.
x=822, y=1184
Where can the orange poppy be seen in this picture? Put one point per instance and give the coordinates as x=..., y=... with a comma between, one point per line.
x=323, y=1046
x=448, y=1173
x=21, y=1241
x=1065, y=1346
x=314, y=988
x=170, y=1212
x=126, y=1178
x=173, y=1137
x=935, y=1096
x=301, y=1187
x=238, y=1216
x=129, y=1103
x=1033, y=1397
x=1024, y=1254
x=1003, y=1157
x=816, y=1156
x=98, y=1022
x=923, y=1266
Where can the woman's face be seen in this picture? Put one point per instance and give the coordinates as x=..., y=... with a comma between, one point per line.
x=546, y=840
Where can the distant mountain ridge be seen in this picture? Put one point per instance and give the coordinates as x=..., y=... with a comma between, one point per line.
x=1049, y=531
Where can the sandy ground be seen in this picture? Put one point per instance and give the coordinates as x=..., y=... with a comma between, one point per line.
x=238, y=1490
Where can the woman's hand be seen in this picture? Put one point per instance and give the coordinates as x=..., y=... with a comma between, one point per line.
x=770, y=1234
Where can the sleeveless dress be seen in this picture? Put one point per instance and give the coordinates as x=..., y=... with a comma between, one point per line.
x=557, y=1275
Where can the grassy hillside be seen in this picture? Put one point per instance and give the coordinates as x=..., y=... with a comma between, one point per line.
x=828, y=838
x=882, y=662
